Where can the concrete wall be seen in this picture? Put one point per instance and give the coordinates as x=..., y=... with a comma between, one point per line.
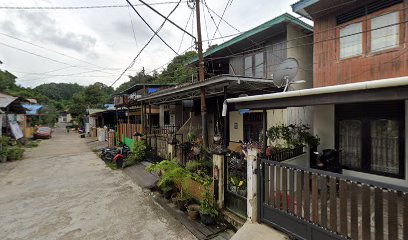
x=236, y=126
x=324, y=127
x=303, y=53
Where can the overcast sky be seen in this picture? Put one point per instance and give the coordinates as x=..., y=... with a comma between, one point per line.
x=103, y=38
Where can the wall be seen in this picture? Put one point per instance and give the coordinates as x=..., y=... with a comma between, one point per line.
x=236, y=119
x=330, y=70
x=324, y=127
x=274, y=55
x=301, y=49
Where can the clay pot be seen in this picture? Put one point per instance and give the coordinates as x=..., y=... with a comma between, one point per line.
x=207, y=219
x=192, y=210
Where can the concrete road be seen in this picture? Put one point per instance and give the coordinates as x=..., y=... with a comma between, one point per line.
x=61, y=190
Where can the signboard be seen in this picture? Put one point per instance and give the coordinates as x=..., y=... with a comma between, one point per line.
x=15, y=129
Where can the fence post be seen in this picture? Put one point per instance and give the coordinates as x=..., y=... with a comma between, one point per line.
x=219, y=179
x=252, y=208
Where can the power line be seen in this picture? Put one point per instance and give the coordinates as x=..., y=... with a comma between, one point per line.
x=185, y=29
x=133, y=28
x=218, y=25
x=151, y=27
x=148, y=42
x=51, y=50
x=170, y=21
x=80, y=7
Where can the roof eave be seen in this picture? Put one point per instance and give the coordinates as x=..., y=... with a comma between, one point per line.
x=299, y=7
x=286, y=17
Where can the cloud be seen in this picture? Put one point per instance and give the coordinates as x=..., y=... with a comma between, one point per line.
x=41, y=26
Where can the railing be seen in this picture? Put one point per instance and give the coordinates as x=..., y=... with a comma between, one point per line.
x=309, y=203
x=163, y=130
x=285, y=154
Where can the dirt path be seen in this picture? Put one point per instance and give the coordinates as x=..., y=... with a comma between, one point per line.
x=63, y=191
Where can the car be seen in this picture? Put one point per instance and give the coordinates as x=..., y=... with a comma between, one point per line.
x=43, y=132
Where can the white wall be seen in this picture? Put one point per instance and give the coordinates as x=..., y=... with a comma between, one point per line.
x=236, y=126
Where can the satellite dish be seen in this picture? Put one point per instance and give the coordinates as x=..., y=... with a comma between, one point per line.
x=285, y=72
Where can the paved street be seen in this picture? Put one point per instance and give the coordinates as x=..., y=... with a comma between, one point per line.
x=61, y=190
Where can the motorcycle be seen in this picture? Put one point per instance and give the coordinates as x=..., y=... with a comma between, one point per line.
x=328, y=160
x=116, y=155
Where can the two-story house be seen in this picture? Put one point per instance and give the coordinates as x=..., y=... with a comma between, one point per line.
x=360, y=107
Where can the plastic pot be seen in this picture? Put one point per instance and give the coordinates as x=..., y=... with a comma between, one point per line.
x=207, y=219
x=167, y=194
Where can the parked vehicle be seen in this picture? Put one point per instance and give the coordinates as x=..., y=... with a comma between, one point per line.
x=116, y=155
x=328, y=160
x=43, y=133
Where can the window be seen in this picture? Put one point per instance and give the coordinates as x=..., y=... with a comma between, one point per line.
x=259, y=65
x=248, y=66
x=371, y=137
x=166, y=117
x=252, y=126
x=351, y=40
x=385, y=31
x=255, y=65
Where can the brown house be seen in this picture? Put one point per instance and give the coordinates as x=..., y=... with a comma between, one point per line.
x=356, y=41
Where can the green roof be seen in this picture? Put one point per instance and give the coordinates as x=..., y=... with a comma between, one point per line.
x=286, y=17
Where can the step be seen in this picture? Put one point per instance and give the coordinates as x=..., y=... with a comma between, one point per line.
x=233, y=219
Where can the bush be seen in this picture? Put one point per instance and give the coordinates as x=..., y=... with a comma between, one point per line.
x=138, y=154
x=15, y=153
x=32, y=144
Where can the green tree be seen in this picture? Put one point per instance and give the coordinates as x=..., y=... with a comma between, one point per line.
x=140, y=77
x=59, y=91
x=7, y=81
x=177, y=71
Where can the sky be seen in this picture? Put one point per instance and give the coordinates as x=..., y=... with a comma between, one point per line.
x=85, y=46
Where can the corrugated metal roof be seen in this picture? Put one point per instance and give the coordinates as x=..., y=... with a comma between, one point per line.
x=6, y=100
x=286, y=17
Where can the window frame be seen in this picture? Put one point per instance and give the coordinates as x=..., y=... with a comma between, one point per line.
x=363, y=30
x=253, y=67
x=366, y=113
x=366, y=32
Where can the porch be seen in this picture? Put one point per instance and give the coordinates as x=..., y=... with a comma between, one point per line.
x=368, y=198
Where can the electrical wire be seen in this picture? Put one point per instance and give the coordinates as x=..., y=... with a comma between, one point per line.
x=222, y=17
x=148, y=42
x=80, y=7
x=148, y=25
x=185, y=29
x=133, y=30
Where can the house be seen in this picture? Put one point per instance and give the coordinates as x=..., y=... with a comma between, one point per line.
x=64, y=117
x=243, y=65
x=32, y=117
x=359, y=105
x=13, y=114
x=132, y=115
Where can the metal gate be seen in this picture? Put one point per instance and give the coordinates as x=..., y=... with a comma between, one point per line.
x=235, y=193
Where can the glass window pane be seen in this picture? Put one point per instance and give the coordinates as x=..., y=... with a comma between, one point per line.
x=385, y=146
x=259, y=65
x=385, y=31
x=351, y=40
x=350, y=143
x=248, y=66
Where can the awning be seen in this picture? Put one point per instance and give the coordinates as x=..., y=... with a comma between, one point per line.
x=377, y=90
x=213, y=86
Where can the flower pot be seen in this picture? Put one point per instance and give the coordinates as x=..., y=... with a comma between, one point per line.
x=181, y=204
x=167, y=194
x=242, y=192
x=217, y=138
x=192, y=211
x=207, y=219
x=196, y=150
x=233, y=188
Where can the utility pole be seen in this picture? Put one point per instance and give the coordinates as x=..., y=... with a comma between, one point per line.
x=201, y=77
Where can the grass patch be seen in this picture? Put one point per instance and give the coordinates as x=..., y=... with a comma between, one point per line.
x=33, y=144
x=111, y=165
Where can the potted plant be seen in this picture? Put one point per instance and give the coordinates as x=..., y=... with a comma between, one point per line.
x=182, y=202
x=192, y=211
x=208, y=211
x=167, y=191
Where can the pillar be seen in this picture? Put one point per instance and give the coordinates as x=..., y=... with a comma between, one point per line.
x=219, y=179
x=252, y=184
